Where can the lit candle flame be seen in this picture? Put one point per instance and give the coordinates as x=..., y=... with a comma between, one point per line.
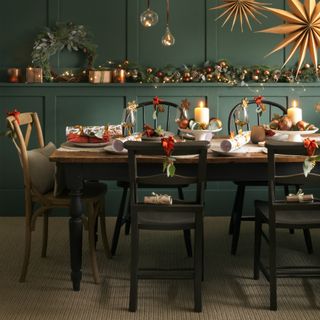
x=294, y=103
x=201, y=104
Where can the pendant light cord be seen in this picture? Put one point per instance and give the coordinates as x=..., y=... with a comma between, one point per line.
x=148, y=4
x=168, y=11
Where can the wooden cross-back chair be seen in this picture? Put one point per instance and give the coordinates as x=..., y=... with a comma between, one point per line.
x=123, y=216
x=93, y=195
x=279, y=213
x=181, y=215
x=237, y=210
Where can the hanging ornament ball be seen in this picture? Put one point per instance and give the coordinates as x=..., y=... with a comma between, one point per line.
x=166, y=79
x=208, y=69
x=160, y=74
x=149, y=70
x=126, y=62
x=223, y=64
x=266, y=73
x=183, y=123
x=255, y=77
x=257, y=71
x=307, y=66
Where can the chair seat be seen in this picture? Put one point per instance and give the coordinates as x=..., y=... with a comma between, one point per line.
x=92, y=191
x=166, y=220
x=300, y=219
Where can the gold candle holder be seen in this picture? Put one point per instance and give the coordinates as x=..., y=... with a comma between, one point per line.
x=119, y=75
x=14, y=75
x=34, y=75
x=100, y=76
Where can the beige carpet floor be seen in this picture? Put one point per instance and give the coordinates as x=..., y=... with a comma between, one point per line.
x=229, y=292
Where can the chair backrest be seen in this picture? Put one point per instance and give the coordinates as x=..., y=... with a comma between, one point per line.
x=289, y=173
x=157, y=178
x=146, y=109
x=255, y=119
x=27, y=120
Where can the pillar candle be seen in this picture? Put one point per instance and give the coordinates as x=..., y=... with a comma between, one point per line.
x=201, y=114
x=295, y=113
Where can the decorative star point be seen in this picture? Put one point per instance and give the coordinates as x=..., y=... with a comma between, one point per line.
x=302, y=30
x=242, y=9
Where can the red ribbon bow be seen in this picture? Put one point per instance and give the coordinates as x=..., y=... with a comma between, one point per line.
x=167, y=145
x=311, y=146
x=258, y=100
x=15, y=113
x=156, y=101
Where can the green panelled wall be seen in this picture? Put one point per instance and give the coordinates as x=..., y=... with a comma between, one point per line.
x=116, y=29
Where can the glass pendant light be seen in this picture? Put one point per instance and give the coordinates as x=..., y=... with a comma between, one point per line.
x=149, y=18
x=168, y=39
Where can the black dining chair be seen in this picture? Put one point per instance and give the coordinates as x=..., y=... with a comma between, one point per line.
x=180, y=215
x=165, y=119
x=237, y=210
x=278, y=213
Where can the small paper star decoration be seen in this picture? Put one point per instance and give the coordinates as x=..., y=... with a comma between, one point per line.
x=242, y=9
x=302, y=30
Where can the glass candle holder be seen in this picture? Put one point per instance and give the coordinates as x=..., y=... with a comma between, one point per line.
x=14, y=75
x=34, y=75
x=119, y=75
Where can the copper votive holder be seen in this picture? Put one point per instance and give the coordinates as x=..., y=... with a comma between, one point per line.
x=14, y=75
x=119, y=75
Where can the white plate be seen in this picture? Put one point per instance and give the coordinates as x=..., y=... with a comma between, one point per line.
x=111, y=150
x=248, y=148
x=90, y=144
x=185, y=156
x=201, y=134
x=293, y=136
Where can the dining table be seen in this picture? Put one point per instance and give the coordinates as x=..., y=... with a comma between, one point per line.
x=79, y=166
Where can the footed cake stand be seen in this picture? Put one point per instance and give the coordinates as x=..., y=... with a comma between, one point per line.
x=294, y=136
x=201, y=135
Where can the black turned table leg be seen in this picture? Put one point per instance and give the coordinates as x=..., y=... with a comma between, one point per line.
x=75, y=234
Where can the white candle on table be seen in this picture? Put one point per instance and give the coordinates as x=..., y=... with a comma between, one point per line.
x=201, y=114
x=295, y=113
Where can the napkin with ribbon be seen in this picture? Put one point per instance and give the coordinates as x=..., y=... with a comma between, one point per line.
x=236, y=142
x=158, y=199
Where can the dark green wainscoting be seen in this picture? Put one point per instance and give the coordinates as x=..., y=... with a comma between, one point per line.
x=59, y=105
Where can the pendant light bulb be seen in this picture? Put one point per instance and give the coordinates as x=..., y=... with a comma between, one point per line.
x=168, y=38
x=149, y=18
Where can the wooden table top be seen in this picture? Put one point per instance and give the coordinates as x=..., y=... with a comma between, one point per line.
x=213, y=158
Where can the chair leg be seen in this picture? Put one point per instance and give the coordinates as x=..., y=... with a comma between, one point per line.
x=118, y=225
x=272, y=268
x=307, y=238
x=128, y=218
x=45, y=235
x=187, y=241
x=257, y=247
x=104, y=236
x=186, y=233
x=237, y=218
x=27, y=250
x=134, y=267
x=91, y=237
x=198, y=257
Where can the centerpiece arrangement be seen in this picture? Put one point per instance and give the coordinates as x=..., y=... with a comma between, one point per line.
x=201, y=127
x=290, y=124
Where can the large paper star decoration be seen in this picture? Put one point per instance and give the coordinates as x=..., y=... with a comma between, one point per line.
x=242, y=9
x=302, y=28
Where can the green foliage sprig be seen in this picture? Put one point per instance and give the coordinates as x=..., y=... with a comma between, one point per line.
x=63, y=36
